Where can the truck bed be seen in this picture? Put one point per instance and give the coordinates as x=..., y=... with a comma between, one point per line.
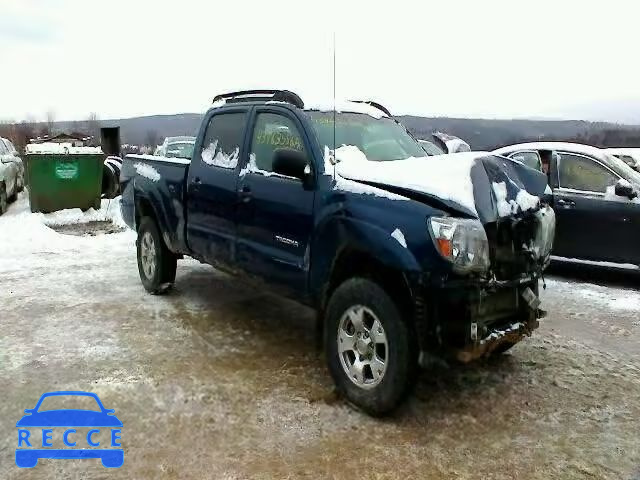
x=159, y=183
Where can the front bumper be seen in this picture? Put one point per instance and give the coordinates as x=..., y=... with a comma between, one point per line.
x=466, y=319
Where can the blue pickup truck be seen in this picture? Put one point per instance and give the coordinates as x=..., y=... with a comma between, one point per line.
x=406, y=257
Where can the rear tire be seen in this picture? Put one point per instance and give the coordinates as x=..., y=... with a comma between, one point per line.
x=156, y=263
x=371, y=352
x=4, y=204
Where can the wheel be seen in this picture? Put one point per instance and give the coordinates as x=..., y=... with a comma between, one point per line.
x=371, y=352
x=156, y=263
x=3, y=199
x=14, y=195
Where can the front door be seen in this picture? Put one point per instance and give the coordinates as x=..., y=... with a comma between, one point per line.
x=275, y=217
x=592, y=224
x=211, y=187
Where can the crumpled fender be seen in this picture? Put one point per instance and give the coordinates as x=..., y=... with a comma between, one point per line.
x=335, y=233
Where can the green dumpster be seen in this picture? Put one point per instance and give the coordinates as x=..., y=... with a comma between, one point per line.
x=64, y=178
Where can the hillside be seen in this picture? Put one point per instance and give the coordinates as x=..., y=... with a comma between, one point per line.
x=481, y=134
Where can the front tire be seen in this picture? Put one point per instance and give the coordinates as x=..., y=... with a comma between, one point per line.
x=156, y=263
x=371, y=353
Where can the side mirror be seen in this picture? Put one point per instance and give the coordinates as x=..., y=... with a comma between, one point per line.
x=625, y=189
x=291, y=163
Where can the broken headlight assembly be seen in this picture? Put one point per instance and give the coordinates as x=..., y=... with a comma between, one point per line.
x=461, y=241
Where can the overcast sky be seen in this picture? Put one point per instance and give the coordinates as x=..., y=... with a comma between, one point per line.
x=123, y=58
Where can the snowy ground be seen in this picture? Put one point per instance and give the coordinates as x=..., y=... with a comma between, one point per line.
x=220, y=381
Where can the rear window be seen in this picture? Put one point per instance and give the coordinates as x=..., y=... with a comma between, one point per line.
x=180, y=150
x=223, y=139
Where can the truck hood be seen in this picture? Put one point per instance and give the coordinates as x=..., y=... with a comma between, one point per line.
x=476, y=184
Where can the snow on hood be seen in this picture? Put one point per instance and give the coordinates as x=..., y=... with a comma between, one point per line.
x=444, y=176
x=475, y=183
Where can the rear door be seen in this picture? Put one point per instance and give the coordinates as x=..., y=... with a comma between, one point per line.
x=275, y=220
x=591, y=223
x=212, y=184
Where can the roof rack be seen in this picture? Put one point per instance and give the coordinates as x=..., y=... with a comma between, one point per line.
x=380, y=107
x=261, y=95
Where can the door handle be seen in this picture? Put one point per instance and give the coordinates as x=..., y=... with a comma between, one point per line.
x=566, y=203
x=197, y=181
x=245, y=194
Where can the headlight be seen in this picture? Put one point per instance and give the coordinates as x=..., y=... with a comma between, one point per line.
x=461, y=241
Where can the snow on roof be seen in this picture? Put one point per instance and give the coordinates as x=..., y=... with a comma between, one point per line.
x=562, y=146
x=60, y=149
x=623, y=151
x=345, y=106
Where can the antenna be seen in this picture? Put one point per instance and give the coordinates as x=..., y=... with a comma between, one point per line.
x=335, y=160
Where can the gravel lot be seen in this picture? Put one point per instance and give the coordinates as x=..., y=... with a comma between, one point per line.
x=218, y=380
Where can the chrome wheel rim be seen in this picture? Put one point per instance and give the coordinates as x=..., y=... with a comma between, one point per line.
x=148, y=255
x=362, y=347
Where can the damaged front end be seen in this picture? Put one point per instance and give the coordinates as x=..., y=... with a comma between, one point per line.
x=476, y=312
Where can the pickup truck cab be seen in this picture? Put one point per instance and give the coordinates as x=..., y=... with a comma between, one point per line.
x=405, y=257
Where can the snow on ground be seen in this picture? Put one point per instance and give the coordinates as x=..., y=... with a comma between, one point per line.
x=603, y=296
x=224, y=381
x=33, y=242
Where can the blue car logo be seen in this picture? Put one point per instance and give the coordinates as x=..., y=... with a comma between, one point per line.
x=35, y=429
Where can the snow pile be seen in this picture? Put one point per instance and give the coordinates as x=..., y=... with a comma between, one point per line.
x=60, y=149
x=524, y=200
x=212, y=156
x=147, y=171
x=109, y=211
x=345, y=106
x=29, y=239
x=443, y=176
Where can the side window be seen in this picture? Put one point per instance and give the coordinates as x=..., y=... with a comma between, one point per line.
x=271, y=132
x=222, y=140
x=581, y=173
x=529, y=158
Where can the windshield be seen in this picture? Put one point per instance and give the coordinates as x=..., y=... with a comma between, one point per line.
x=380, y=139
x=622, y=169
x=180, y=150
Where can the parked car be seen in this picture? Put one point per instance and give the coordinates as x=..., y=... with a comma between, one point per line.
x=630, y=156
x=11, y=174
x=405, y=257
x=431, y=148
x=595, y=197
x=177, y=147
